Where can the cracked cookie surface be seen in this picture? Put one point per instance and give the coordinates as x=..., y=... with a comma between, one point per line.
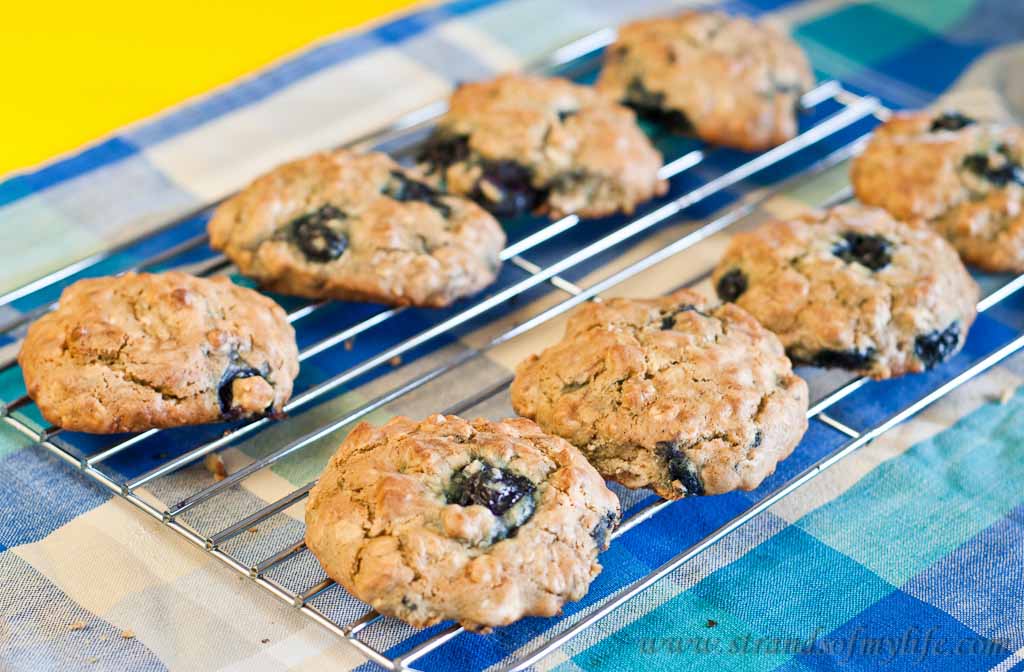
x=727, y=80
x=358, y=227
x=478, y=522
x=141, y=351
x=521, y=143
x=962, y=175
x=853, y=288
x=669, y=393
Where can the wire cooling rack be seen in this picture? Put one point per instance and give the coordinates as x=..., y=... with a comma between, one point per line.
x=403, y=352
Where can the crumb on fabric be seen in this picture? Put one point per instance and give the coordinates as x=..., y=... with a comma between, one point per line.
x=1007, y=395
x=396, y=361
x=214, y=464
x=712, y=622
x=265, y=640
x=77, y=625
x=349, y=344
x=127, y=634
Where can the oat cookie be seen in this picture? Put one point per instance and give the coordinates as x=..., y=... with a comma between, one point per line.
x=447, y=519
x=358, y=227
x=853, y=288
x=670, y=394
x=520, y=143
x=962, y=175
x=138, y=351
x=725, y=79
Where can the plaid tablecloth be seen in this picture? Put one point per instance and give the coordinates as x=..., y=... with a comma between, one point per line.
x=909, y=554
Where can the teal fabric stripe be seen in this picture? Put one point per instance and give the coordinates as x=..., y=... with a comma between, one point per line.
x=931, y=499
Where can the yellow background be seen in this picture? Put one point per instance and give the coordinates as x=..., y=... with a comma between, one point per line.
x=76, y=70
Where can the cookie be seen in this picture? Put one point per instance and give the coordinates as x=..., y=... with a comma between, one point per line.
x=141, y=351
x=963, y=176
x=727, y=80
x=447, y=519
x=358, y=227
x=670, y=394
x=518, y=144
x=853, y=288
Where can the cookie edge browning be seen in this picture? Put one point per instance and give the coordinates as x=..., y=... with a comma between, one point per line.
x=327, y=530
x=784, y=434
x=48, y=334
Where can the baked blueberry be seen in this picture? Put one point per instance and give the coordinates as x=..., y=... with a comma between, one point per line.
x=402, y=188
x=852, y=360
x=668, y=320
x=603, y=530
x=1000, y=172
x=442, y=150
x=950, y=121
x=314, y=234
x=874, y=252
x=731, y=285
x=489, y=486
x=680, y=468
x=937, y=346
x=650, y=105
x=504, y=188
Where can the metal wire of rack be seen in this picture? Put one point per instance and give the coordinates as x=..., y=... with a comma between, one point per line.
x=270, y=570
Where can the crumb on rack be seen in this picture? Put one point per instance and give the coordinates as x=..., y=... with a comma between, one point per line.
x=253, y=530
x=1007, y=395
x=127, y=634
x=78, y=625
x=396, y=361
x=214, y=464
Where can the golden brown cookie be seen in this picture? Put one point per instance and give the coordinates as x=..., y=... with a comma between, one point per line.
x=474, y=521
x=725, y=79
x=853, y=288
x=963, y=176
x=138, y=351
x=358, y=227
x=669, y=393
x=520, y=143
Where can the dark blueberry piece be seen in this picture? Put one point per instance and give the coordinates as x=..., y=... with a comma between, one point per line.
x=609, y=521
x=731, y=285
x=650, y=105
x=680, y=468
x=226, y=392
x=565, y=114
x=668, y=320
x=999, y=175
x=402, y=188
x=844, y=359
x=758, y=437
x=937, y=346
x=874, y=252
x=489, y=486
x=950, y=121
x=409, y=604
x=317, y=240
x=443, y=149
x=508, y=192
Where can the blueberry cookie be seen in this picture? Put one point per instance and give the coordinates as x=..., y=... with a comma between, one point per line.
x=725, y=79
x=358, y=227
x=518, y=144
x=669, y=393
x=138, y=351
x=963, y=176
x=447, y=519
x=853, y=288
